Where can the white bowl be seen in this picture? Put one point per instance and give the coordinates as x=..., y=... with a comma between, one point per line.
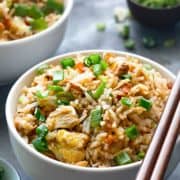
x=40, y=167
x=19, y=55
x=9, y=171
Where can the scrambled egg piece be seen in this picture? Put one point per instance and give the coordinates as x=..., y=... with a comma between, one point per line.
x=69, y=146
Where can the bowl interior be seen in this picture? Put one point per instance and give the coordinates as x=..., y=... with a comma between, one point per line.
x=26, y=79
x=9, y=171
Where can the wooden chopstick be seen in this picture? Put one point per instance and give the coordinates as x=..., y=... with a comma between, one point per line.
x=170, y=140
x=150, y=159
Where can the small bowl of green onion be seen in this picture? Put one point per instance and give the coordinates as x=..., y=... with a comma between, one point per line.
x=155, y=13
x=7, y=171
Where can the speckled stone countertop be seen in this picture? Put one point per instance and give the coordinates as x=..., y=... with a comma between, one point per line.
x=82, y=34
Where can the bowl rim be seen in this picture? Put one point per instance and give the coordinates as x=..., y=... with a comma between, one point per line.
x=11, y=167
x=32, y=151
x=64, y=16
x=153, y=9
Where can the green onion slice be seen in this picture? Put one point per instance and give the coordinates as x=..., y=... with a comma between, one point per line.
x=67, y=62
x=53, y=6
x=125, y=32
x=101, y=27
x=40, y=144
x=24, y=10
x=39, y=24
x=122, y=158
x=145, y=103
x=40, y=70
x=126, y=76
x=131, y=132
x=42, y=130
x=39, y=115
x=58, y=76
x=87, y=61
x=55, y=88
x=100, y=90
x=41, y=95
x=96, y=117
x=97, y=69
x=126, y=101
x=147, y=67
x=64, y=97
x=140, y=155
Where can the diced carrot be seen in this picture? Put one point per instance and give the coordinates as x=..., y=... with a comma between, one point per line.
x=1, y=26
x=110, y=139
x=126, y=88
x=169, y=85
x=80, y=67
x=108, y=56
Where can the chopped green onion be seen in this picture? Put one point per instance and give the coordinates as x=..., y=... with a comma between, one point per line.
x=97, y=69
x=35, y=12
x=92, y=60
x=21, y=10
x=122, y=158
x=53, y=6
x=42, y=130
x=100, y=90
x=95, y=58
x=126, y=101
x=140, y=155
x=96, y=117
x=103, y=78
x=40, y=144
x=149, y=42
x=40, y=70
x=41, y=95
x=131, y=132
x=145, y=103
x=104, y=65
x=147, y=67
x=64, y=97
x=129, y=44
x=39, y=115
x=39, y=24
x=87, y=61
x=55, y=88
x=101, y=27
x=62, y=102
x=58, y=76
x=24, y=10
x=21, y=99
x=2, y=171
x=168, y=43
x=126, y=76
x=125, y=31
x=67, y=62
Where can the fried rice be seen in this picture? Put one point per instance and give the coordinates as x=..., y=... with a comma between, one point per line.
x=22, y=18
x=92, y=110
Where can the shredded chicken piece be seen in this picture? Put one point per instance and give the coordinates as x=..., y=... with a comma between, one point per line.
x=63, y=117
x=25, y=123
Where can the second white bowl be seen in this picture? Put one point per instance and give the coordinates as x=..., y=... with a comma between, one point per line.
x=18, y=55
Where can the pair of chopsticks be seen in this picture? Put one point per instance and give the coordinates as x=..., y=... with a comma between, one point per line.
x=164, y=139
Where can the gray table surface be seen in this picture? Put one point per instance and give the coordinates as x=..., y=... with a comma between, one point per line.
x=82, y=34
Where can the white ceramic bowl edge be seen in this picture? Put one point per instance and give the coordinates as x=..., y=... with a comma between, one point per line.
x=31, y=160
